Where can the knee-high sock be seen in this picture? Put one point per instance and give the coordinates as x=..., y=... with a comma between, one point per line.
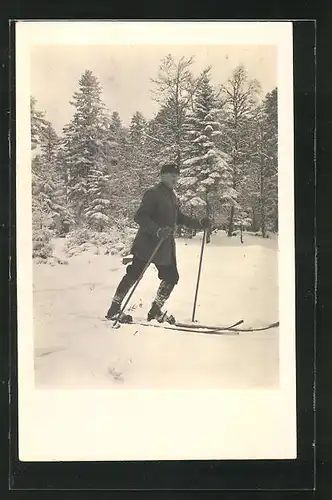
x=123, y=288
x=163, y=293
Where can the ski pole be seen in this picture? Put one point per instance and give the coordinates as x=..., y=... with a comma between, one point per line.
x=137, y=282
x=199, y=273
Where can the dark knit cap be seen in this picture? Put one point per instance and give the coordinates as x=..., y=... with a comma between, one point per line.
x=170, y=168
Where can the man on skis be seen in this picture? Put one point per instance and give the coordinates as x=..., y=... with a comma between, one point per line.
x=157, y=217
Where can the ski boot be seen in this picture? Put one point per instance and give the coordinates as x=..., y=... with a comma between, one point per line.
x=113, y=313
x=156, y=313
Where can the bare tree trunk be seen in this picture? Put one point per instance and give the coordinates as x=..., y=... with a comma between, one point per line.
x=192, y=231
x=231, y=222
x=275, y=222
x=254, y=222
x=261, y=200
x=209, y=216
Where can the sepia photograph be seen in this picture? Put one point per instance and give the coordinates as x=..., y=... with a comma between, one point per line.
x=165, y=156
x=153, y=172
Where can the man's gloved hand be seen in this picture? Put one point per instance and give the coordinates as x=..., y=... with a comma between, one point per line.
x=164, y=232
x=206, y=223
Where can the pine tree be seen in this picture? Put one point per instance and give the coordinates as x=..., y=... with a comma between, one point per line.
x=41, y=187
x=65, y=220
x=240, y=100
x=264, y=139
x=48, y=187
x=175, y=89
x=48, y=184
x=38, y=124
x=116, y=138
x=271, y=151
x=137, y=141
x=97, y=212
x=204, y=177
x=45, y=205
x=44, y=144
x=129, y=171
x=161, y=143
x=87, y=145
x=116, y=124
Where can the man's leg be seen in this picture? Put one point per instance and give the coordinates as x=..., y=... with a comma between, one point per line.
x=133, y=272
x=169, y=277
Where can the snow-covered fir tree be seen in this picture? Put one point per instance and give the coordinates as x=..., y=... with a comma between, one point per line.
x=240, y=96
x=205, y=175
x=263, y=181
x=38, y=124
x=175, y=89
x=116, y=124
x=128, y=172
x=160, y=142
x=46, y=202
x=271, y=151
x=44, y=145
x=137, y=142
x=48, y=186
x=86, y=146
x=118, y=161
x=97, y=211
x=115, y=141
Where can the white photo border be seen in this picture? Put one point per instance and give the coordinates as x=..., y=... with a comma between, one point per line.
x=126, y=425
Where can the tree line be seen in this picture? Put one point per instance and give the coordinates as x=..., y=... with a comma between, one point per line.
x=224, y=140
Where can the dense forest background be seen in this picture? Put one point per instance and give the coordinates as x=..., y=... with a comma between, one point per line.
x=89, y=179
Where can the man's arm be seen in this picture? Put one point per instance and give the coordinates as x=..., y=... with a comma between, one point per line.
x=192, y=222
x=143, y=214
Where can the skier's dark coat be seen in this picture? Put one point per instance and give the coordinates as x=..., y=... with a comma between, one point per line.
x=159, y=208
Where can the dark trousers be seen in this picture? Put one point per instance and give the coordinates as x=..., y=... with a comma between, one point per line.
x=165, y=273
x=168, y=275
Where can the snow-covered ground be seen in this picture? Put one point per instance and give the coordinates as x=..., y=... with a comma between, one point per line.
x=75, y=348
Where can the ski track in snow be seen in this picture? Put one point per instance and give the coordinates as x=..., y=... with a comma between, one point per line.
x=74, y=348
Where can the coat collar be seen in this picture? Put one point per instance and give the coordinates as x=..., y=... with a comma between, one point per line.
x=163, y=186
x=169, y=193
x=167, y=190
